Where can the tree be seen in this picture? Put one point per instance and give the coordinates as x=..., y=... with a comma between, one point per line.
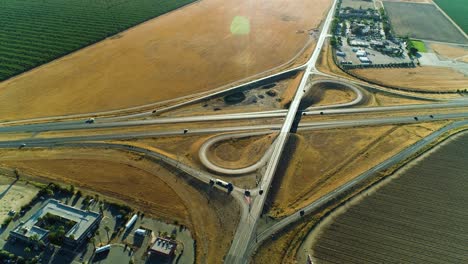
x=27, y=250
x=71, y=189
x=333, y=41
x=17, y=174
x=107, y=231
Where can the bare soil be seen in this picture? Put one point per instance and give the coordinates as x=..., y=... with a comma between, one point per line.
x=13, y=195
x=167, y=57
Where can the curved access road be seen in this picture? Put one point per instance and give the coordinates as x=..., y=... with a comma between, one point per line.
x=202, y=153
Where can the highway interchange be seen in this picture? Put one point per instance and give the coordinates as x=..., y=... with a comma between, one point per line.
x=246, y=239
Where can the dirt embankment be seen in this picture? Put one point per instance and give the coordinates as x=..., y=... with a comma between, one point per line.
x=156, y=189
x=167, y=57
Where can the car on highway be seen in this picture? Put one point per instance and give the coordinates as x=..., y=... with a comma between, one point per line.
x=90, y=120
x=22, y=146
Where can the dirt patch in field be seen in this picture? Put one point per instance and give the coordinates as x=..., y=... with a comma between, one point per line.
x=151, y=187
x=450, y=51
x=326, y=159
x=13, y=195
x=167, y=57
x=418, y=79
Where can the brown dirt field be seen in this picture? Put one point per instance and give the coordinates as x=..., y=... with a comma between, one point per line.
x=12, y=198
x=240, y=153
x=165, y=58
x=419, y=78
x=108, y=171
x=450, y=51
x=324, y=160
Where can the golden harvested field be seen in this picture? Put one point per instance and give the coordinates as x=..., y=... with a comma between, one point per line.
x=143, y=184
x=417, y=79
x=325, y=159
x=450, y=51
x=194, y=49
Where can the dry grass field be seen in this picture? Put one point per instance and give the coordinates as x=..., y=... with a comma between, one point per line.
x=325, y=159
x=167, y=57
x=417, y=217
x=240, y=153
x=450, y=52
x=417, y=79
x=141, y=183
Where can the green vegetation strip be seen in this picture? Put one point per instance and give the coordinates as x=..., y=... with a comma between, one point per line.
x=417, y=44
x=35, y=32
x=457, y=10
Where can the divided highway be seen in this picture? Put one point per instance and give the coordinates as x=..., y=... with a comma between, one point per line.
x=246, y=228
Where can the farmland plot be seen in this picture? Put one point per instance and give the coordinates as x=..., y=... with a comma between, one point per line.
x=419, y=217
x=457, y=10
x=34, y=32
x=422, y=21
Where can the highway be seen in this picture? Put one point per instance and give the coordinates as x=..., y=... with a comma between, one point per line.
x=246, y=228
x=333, y=109
x=266, y=129
x=246, y=239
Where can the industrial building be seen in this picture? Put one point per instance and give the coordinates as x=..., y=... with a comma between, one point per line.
x=163, y=246
x=81, y=224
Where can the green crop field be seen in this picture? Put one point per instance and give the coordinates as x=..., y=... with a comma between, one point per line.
x=34, y=32
x=457, y=10
x=422, y=21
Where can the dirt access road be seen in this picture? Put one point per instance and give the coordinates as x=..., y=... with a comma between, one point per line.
x=196, y=48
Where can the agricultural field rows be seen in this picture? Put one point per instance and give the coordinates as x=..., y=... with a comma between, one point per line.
x=36, y=32
x=419, y=217
x=457, y=10
x=411, y=20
